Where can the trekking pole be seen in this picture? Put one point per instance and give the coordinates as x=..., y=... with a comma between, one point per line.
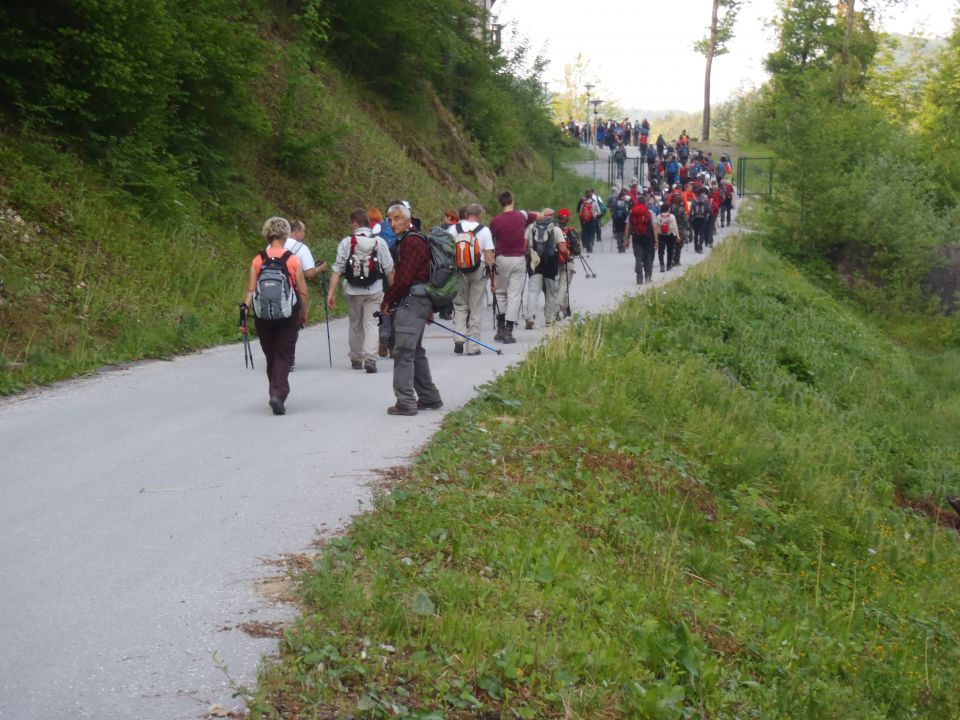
x=466, y=337
x=245, y=331
x=586, y=267
x=566, y=305
x=326, y=315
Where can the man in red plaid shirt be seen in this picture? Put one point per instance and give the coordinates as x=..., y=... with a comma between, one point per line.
x=412, y=382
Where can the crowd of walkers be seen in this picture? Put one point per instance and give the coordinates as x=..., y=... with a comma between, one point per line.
x=396, y=275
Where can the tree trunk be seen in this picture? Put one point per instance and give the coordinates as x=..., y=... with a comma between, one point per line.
x=849, y=6
x=711, y=49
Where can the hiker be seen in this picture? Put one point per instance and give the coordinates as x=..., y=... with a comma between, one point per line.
x=569, y=250
x=545, y=243
x=412, y=383
x=363, y=261
x=296, y=245
x=620, y=157
x=667, y=237
x=620, y=211
x=588, y=208
x=681, y=213
x=699, y=216
x=643, y=240
x=726, y=209
x=661, y=146
x=716, y=200
x=473, y=246
x=385, y=346
x=277, y=291
x=510, y=247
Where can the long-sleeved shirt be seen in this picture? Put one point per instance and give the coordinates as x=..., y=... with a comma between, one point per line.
x=412, y=267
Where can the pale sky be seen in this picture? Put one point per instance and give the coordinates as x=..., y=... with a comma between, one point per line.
x=644, y=55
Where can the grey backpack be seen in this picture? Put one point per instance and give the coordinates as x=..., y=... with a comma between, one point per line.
x=274, y=297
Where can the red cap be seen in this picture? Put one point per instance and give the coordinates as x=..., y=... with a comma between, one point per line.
x=563, y=212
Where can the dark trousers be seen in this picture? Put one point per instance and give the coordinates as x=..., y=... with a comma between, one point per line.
x=699, y=234
x=411, y=370
x=278, y=338
x=668, y=246
x=590, y=234
x=643, y=253
x=619, y=233
x=726, y=210
x=711, y=228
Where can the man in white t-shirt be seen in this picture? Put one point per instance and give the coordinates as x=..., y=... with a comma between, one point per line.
x=363, y=260
x=296, y=245
x=468, y=305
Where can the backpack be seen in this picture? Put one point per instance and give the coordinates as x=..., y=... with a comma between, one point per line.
x=544, y=242
x=363, y=263
x=444, y=281
x=701, y=210
x=573, y=242
x=467, y=252
x=586, y=210
x=603, y=208
x=642, y=226
x=274, y=298
x=665, y=227
x=620, y=212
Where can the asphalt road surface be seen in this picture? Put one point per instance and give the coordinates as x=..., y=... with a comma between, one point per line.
x=145, y=511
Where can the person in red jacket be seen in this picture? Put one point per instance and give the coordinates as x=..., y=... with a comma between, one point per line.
x=716, y=199
x=643, y=239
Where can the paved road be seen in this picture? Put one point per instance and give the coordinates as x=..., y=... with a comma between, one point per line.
x=142, y=508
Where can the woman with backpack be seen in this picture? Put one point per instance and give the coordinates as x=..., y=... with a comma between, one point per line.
x=643, y=240
x=669, y=232
x=277, y=292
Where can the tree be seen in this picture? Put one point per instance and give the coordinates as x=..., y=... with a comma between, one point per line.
x=715, y=44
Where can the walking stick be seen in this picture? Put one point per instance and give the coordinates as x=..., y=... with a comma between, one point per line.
x=326, y=315
x=245, y=331
x=466, y=337
x=586, y=267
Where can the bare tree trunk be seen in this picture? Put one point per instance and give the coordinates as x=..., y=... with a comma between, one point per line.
x=849, y=6
x=711, y=49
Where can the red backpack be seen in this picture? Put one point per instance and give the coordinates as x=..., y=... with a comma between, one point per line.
x=665, y=227
x=586, y=210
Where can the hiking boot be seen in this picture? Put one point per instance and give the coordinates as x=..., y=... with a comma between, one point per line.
x=662, y=269
x=529, y=324
x=436, y=405
x=356, y=364
x=401, y=410
x=473, y=351
x=458, y=347
x=370, y=366
x=501, y=324
x=382, y=350
x=276, y=404
x=508, y=337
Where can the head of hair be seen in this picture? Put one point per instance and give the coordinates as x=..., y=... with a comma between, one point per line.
x=400, y=208
x=275, y=227
x=473, y=210
x=505, y=198
x=360, y=217
x=297, y=226
x=665, y=208
x=375, y=215
x=450, y=216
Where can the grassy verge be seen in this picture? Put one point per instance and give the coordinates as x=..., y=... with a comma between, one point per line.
x=686, y=509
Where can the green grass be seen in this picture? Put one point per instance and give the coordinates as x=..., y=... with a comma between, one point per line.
x=685, y=509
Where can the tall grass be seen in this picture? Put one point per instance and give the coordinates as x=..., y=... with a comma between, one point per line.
x=683, y=509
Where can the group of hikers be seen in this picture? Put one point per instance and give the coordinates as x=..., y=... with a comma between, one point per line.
x=658, y=222
x=613, y=133
x=395, y=275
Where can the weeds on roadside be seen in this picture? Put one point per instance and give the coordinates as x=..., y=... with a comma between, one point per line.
x=681, y=510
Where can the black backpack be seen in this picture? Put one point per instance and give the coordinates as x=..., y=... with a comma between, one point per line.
x=620, y=212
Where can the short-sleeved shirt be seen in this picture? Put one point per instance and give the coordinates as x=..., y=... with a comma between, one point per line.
x=383, y=256
x=508, y=232
x=302, y=252
x=293, y=263
x=484, y=236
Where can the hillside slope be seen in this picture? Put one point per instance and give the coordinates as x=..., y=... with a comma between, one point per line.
x=94, y=272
